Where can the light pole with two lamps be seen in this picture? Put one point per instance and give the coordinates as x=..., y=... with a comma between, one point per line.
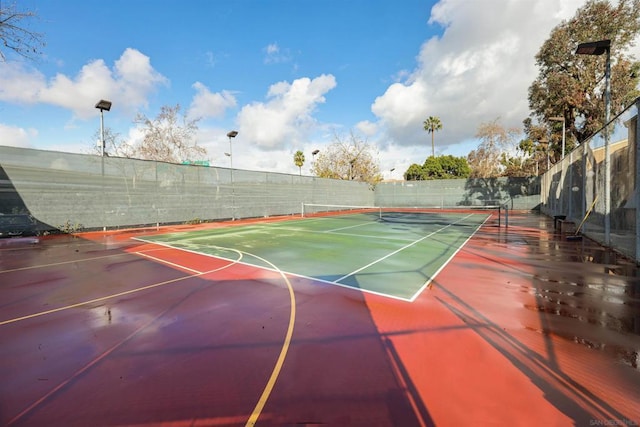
x=598, y=48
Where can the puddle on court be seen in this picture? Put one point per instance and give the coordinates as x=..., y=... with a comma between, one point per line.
x=588, y=295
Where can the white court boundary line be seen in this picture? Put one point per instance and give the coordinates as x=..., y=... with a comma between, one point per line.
x=288, y=273
x=335, y=283
x=264, y=396
x=401, y=249
x=435, y=274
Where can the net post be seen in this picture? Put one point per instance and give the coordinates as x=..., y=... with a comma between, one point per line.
x=301, y=209
x=499, y=215
x=506, y=216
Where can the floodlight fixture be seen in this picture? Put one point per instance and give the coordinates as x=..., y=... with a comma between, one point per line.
x=232, y=134
x=314, y=152
x=593, y=48
x=103, y=105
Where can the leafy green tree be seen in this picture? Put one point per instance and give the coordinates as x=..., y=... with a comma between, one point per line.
x=414, y=173
x=350, y=159
x=298, y=159
x=431, y=125
x=441, y=167
x=518, y=166
x=572, y=86
x=432, y=169
x=454, y=167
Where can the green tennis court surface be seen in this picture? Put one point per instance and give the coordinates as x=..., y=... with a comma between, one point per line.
x=396, y=255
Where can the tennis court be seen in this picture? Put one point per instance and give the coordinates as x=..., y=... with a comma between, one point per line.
x=394, y=253
x=239, y=323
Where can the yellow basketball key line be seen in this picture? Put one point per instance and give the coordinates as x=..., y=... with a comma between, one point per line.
x=287, y=340
x=283, y=352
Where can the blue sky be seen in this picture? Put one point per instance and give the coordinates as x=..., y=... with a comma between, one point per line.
x=287, y=74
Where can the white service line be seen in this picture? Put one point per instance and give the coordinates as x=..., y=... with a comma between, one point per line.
x=428, y=282
x=401, y=249
x=345, y=228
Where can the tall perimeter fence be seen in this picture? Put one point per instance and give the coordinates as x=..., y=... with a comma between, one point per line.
x=594, y=186
x=77, y=191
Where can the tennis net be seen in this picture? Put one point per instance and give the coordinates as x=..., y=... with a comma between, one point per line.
x=315, y=210
x=499, y=214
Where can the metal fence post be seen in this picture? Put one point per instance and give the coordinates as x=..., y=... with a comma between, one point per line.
x=636, y=189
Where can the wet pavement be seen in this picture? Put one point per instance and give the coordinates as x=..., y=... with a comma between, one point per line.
x=522, y=327
x=584, y=292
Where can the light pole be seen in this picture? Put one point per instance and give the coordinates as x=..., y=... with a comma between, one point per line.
x=102, y=105
x=231, y=135
x=598, y=48
x=545, y=141
x=313, y=156
x=560, y=119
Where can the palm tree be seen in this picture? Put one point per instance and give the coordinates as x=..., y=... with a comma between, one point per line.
x=298, y=159
x=431, y=125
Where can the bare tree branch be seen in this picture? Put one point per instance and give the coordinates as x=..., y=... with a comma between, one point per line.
x=352, y=159
x=170, y=137
x=15, y=36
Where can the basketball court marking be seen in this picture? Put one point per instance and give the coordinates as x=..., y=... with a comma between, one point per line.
x=193, y=242
x=119, y=294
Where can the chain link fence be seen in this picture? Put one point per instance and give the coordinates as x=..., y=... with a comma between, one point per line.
x=600, y=199
x=71, y=192
x=93, y=192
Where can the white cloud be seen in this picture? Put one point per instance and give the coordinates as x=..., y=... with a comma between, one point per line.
x=286, y=117
x=210, y=59
x=18, y=85
x=135, y=78
x=17, y=137
x=272, y=49
x=275, y=55
x=478, y=70
x=208, y=104
x=127, y=85
x=367, y=128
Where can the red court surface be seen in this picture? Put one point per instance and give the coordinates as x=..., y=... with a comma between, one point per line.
x=521, y=328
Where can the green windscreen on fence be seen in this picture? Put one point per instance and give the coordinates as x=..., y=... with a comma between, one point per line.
x=576, y=186
x=82, y=191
